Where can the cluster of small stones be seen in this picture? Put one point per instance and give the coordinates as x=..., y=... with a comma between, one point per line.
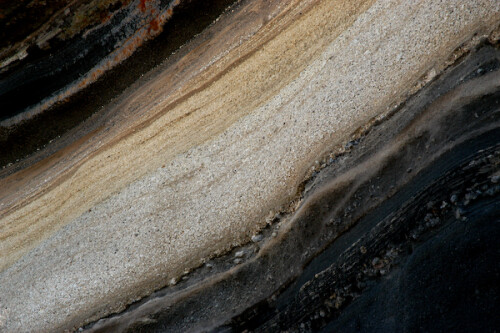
x=238, y=255
x=460, y=199
x=373, y=269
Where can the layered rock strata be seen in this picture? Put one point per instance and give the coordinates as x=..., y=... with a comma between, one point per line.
x=396, y=233
x=188, y=162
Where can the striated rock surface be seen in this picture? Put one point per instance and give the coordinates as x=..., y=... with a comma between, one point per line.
x=213, y=146
x=396, y=233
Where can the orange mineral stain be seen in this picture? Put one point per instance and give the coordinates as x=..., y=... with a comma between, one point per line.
x=105, y=17
x=153, y=25
x=142, y=5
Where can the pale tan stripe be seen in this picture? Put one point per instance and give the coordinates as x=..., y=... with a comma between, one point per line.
x=191, y=122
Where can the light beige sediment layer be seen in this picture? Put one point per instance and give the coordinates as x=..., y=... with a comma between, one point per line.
x=213, y=158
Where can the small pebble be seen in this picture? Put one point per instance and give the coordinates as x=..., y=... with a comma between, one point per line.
x=433, y=222
x=338, y=302
x=257, y=238
x=238, y=261
x=492, y=191
x=495, y=179
x=470, y=196
x=239, y=254
x=392, y=253
x=361, y=285
x=453, y=198
x=274, y=234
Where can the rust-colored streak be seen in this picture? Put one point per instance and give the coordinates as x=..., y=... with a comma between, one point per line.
x=154, y=25
x=105, y=16
x=142, y=5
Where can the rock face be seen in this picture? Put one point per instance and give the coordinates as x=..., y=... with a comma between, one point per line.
x=291, y=167
x=377, y=244
x=81, y=42
x=65, y=52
